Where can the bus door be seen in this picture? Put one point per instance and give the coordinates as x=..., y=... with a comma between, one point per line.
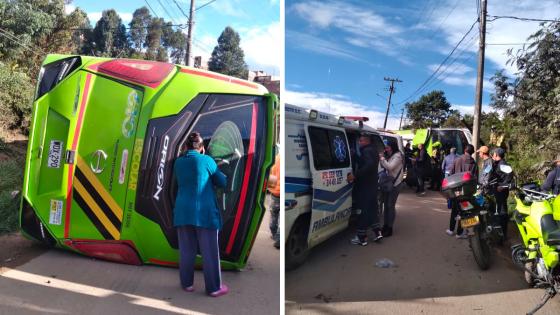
x=330, y=163
x=238, y=133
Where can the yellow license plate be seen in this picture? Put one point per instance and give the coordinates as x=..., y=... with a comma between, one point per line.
x=468, y=222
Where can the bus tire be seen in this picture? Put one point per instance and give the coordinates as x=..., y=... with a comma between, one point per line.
x=296, y=244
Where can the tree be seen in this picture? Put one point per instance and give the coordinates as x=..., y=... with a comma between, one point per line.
x=153, y=39
x=141, y=19
x=109, y=35
x=176, y=41
x=227, y=56
x=431, y=110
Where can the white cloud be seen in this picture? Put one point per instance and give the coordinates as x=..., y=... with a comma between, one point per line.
x=499, y=31
x=457, y=68
x=262, y=47
x=363, y=27
x=339, y=105
x=229, y=7
x=469, y=109
x=93, y=17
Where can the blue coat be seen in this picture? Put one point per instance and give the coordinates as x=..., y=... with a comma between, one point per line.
x=196, y=202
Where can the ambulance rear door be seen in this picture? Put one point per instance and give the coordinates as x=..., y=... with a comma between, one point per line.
x=329, y=163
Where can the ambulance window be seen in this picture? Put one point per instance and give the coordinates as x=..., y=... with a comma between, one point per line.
x=329, y=148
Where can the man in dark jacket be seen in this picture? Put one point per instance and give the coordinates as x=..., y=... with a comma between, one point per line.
x=552, y=182
x=422, y=168
x=500, y=180
x=464, y=163
x=365, y=180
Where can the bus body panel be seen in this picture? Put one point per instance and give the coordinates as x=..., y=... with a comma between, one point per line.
x=97, y=114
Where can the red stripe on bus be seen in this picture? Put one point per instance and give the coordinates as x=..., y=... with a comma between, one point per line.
x=220, y=77
x=74, y=145
x=162, y=262
x=246, y=177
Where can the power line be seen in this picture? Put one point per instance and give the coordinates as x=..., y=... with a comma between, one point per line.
x=441, y=65
x=181, y=9
x=151, y=9
x=165, y=10
x=497, y=17
x=207, y=3
x=16, y=40
x=506, y=44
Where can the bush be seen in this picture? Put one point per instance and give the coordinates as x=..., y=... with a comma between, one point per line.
x=12, y=168
x=16, y=97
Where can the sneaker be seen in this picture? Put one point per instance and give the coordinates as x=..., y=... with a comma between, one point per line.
x=422, y=193
x=357, y=241
x=378, y=237
x=189, y=289
x=449, y=232
x=461, y=236
x=223, y=291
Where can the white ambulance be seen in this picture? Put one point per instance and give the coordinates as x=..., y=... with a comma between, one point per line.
x=319, y=154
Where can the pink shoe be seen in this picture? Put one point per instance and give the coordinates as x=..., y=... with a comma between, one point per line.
x=222, y=291
x=189, y=289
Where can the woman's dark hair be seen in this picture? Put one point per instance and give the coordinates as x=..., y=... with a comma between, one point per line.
x=194, y=141
x=394, y=147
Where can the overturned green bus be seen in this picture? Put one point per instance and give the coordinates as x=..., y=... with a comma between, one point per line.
x=104, y=135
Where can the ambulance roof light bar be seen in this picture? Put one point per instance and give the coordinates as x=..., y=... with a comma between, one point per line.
x=359, y=119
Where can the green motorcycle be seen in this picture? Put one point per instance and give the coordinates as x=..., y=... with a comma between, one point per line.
x=537, y=216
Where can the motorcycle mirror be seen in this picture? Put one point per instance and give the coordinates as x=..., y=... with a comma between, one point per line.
x=506, y=169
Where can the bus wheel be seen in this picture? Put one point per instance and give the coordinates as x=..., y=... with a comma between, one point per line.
x=296, y=244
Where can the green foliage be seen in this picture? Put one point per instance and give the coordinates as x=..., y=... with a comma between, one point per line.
x=431, y=110
x=227, y=56
x=11, y=168
x=16, y=97
x=141, y=19
x=109, y=36
x=530, y=103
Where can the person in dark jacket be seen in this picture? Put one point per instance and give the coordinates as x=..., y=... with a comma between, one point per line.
x=447, y=165
x=365, y=180
x=422, y=168
x=197, y=217
x=501, y=181
x=464, y=163
x=552, y=182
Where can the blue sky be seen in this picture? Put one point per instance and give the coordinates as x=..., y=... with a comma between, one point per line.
x=338, y=52
x=256, y=21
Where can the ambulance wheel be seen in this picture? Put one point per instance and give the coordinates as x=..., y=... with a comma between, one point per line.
x=296, y=244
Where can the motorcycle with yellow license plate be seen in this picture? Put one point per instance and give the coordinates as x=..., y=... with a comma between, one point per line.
x=537, y=216
x=478, y=214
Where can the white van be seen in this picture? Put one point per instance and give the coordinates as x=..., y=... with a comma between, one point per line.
x=319, y=154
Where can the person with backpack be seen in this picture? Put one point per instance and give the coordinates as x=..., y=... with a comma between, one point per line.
x=500, y=190
x=393, y=163
x=552, y=182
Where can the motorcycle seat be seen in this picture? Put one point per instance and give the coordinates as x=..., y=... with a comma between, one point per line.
x=550, y=230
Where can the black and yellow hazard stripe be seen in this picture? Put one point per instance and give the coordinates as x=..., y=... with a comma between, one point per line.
x=98, y=205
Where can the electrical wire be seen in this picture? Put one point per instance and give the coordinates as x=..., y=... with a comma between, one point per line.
x=16, y=40
x=497, y=17
x=166, y=12
x=151, y=9
x=202, y=6
x=440, y=66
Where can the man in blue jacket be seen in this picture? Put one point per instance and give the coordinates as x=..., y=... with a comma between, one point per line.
x=197, y=216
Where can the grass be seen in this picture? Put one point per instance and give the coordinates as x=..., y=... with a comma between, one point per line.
x=11, y=179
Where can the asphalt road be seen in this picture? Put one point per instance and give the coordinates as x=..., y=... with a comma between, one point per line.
x=434, y=273
x=59, y=282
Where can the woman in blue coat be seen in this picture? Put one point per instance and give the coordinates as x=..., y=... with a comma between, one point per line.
x=197, y=216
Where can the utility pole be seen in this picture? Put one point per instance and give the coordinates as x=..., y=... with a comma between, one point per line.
x=189, y=34
x=402, y=114
x=391, y=90
x=480, y=75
